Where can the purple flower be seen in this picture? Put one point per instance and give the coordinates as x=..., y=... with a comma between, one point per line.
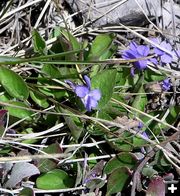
x=89, y=97
x=166, y=84
x=137, y=51
x=164, y=56
x=140, y=125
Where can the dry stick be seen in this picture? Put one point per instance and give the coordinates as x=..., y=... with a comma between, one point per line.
x=27, y=146
x=103, y=14
x=42, y=13
x=28, y=158
x=147, y=16
x=97, y=120
x=158, y=120
x=48, y=42
x=35, y=190
x=23, y=119
x=173, y=19
x=19, y=9
x=132, y=31
x=151, y=117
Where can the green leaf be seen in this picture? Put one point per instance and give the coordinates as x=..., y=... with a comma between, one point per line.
x=75, y=44
x=79, y=175
x=51, y=71
x=149, y=172
x=138, y=142
x=122, y=159
x=26, y=192
x=46, y=165
x=122, y=144
x=19, y=112
x=96, y=183
x=104, y=81
x=117, y=180
x=31, y=140
x=140, y=100
x=38, y=99
x=55, y=179
x=39, y=43
x=100, y=46
x=173, y=114
x=13, y=83
x=121, y=77
x=108, y=53
x=171, y=119
x=151, y=76
x=74, y=123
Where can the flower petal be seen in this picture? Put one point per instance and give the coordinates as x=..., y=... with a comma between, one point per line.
x=95, y=94
x=81, y=91
x=143, y=50
x=90, y=103
x=129, y=54
x=152, y=60
x=158, y=51
x=166, y=45
x=140, y=65
x=133, y=46
x=166, y=58
x=132, y=71
x=71, y=84
x=166, y=84
x=88, y=81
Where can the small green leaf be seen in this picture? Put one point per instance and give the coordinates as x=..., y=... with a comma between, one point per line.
x=75, y=44
x=79, y=175
x=13, y=83
x=39, y=43
x=51, y=71
x=140, y=100
x=26, y=192
x=104, y=81
x=151, y=76
x=122, y=159
x=55, y=179
x=100, y=46
x=124, y=143
x=96, y=183
x=138, y=142
x=46, y=165
x=40, y=100
x=117, y=180
x=19, y=112
x=149, y=172
x=74, y=123
x=31, y=140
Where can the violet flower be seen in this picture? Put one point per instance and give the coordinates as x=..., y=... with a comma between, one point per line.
x=137, y=51
x=88, y=97
x=166, y=84
x=164, y=56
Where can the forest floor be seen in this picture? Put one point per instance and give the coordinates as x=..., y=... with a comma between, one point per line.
x=86, y=109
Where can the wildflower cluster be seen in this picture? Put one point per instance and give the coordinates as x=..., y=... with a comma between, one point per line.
x=143, y=52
